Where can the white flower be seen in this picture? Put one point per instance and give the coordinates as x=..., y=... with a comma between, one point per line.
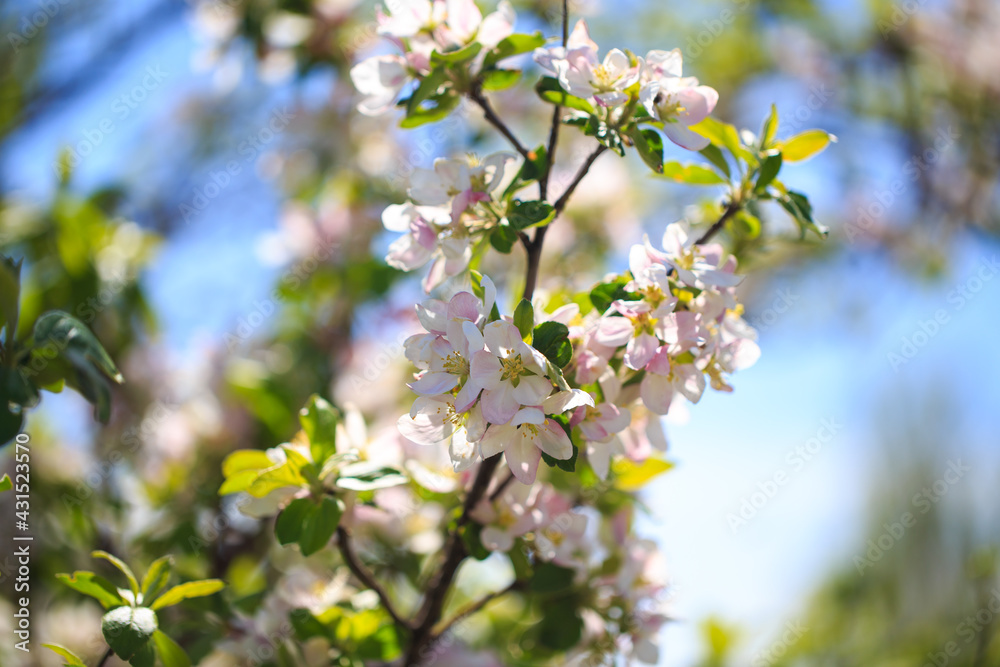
x=510, y=372
x=380, y=80
x=677, y=101
x=522, y=441
x=462, y=182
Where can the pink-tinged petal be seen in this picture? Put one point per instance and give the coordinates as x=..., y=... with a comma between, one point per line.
x=612, y=99
x=397, y=217
x=532, y=390
x=660, y=363
x=485, y=370
x=475, y=424
x=565, y=314
x=656, y=392
x=432, y=384
x=691, y=383
x=404, y=254
x=717, y=278
x=433, y=316
x=497, y=26
x=501, y=336
x=745, y=355
x=667, y=328
x=466, y=397
x=614, y=331
x=695, y=104
x=522, y=458
x=684, y=137
x=599, y=457
x=580, y=37
x=424, y=430
x=655, y=434
x=464, y=305
x=379, y=79
x=562, y=401
x=464, y=18
x=613, y=418
x=640, y=351
x=594, y=431
x=638, y=259
x=472, y=340
x=499, y=404
x=662, y=64
x=552, y=440
x=463, y=452
x=497, y=439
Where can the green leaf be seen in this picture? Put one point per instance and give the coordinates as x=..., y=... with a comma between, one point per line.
x=561, y=626
x=277, y=477
x=552, y=340
x=804, y=146
x=429, y=86
x=631, y=476
x=649, y=145
x=798, y=206
x=524, y=318
x=551, y=578
x=471, y=538
x=10, y=423
x=192, y=589
x=513, y=45
x=747, y=224
x=569, y=465
x=715, y=156
x=458, y=56
x=320, y=525
x=769, y=169
x=170, y=652
x=692, y=174
x=769, y=129
x=319, y=420
x=75, y=343
x=156, y=578
x=604, y=294
x=6, y=484
x=70, y=659
x=725, y=136
x=503, y=238
x=128, y=629
x=500, y=79
x=17, y=389
x=243, y=460
x=367, y=476
x=95, y=586
x=288, y=526
x=524, y=214
x=443, y=105
x=550, y=91
x=144, y=657
x=125, y=569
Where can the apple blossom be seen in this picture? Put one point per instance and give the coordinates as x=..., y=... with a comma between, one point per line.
x=677, y=101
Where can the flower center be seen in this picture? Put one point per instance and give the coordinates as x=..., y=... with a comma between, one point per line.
x=528, y=430
x=512, y=367
x=455, y=364
x=667, y=105
x=603, y=79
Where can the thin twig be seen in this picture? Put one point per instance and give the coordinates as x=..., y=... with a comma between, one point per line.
x=550, y=153
x=580, y=174
x=366, y=577
x=502, y=487
x=473, y=608
x=731, y=210
x=107, y=655
x=476, y=95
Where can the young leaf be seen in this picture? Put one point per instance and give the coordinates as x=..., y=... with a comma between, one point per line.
x=156, y=578
x=319, y=420
x=5, y=483
x=145, y=656
x=503, y=238
x=513, y=45
x=193, y=589
x=550, y=91
x=288, y=526
x=798, y=206
x=691, y=174
x=170, y=652
x=95, y=586
x=443, y=103
x=524, y=214
x=458, y=56
x=128, y=629
x=320, y=525
x=769, y=129
x=631, y=476
x=747, y=224
x=715, y=156
x=552, y=340
x=551, y=578
x=70, y=659
x=368, y=476
x=524, y=318
x=649, y=145
x=125, y=569
x=804, y=146
x=429, y=86
x=10, y=294
x=500, y=79
x=769, y=169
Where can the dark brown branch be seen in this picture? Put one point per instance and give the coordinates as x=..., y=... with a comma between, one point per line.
x=107, y=656
x=502, y=487
x=731, y=210
x=366, y=577
x=550, y=153
x=580, y=174
x=477, y=96
x=475, y=607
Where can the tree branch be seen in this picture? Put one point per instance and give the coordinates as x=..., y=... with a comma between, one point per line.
x=471, y=609
x=580, y=174
x=476, y=95
x=107, y=656
x=731, y=209
x=366, y=577
x=502, y=487
x=550, y=153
